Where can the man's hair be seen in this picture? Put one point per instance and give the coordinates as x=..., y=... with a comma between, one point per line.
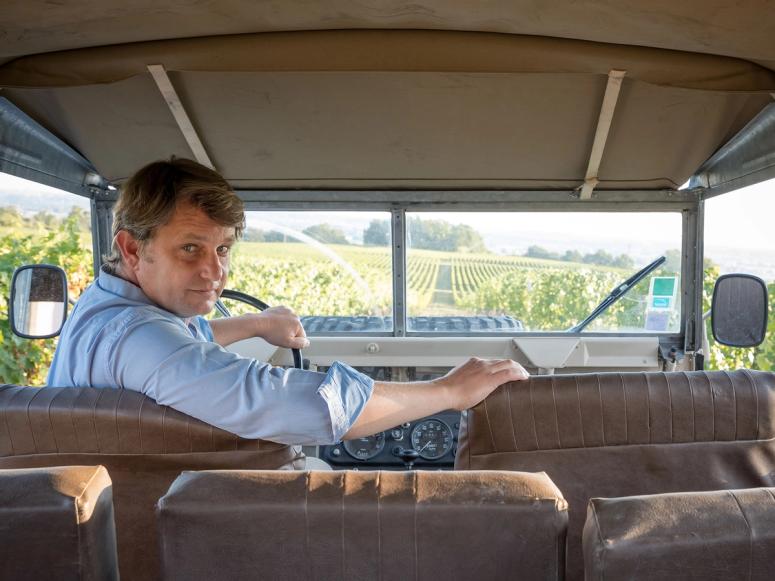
x=149, y=198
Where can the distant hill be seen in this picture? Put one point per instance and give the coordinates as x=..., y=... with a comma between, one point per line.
x=58, y=204
x=31, y=198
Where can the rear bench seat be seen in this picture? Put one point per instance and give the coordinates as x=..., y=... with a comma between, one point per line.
x=143, y=445
x=710, y=536
x=625, y=434
x=362, y=525
x=57, y=523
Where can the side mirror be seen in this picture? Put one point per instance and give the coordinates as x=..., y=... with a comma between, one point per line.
x=38, y=301
x=739, y=310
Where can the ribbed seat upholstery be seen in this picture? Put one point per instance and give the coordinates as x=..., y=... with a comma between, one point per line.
x=424, y=525
x=144, y=447
x=710, y=536
x=624, y=434
x=57, y=523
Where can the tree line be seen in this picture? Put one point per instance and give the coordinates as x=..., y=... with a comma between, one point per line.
x=12, y=217
x=599, y=257
x=423, y=234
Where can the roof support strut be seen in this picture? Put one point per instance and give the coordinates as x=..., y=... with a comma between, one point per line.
x=162, y=79
x=610, y=98
x=746, y=159
x=29, y=151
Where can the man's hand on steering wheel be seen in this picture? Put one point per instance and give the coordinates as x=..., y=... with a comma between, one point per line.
x=281, y=327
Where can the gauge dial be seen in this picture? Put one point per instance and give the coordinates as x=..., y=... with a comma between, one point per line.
x=432, y=439
x=365, y=448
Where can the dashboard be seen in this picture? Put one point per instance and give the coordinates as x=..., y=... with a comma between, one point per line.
x=425, y=443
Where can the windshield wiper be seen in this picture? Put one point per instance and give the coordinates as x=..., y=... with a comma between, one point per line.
x=616, y=294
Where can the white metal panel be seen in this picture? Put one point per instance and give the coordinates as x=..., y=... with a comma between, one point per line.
x=550, y=352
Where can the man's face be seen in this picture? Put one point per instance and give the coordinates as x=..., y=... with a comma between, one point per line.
x=184, y=267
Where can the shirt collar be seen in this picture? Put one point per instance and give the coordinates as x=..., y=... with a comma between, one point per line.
x=122, y=288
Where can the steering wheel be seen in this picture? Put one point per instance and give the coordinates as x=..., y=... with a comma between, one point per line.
x=253, y=302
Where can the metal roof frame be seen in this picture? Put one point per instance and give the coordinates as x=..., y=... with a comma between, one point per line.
x=30, y=151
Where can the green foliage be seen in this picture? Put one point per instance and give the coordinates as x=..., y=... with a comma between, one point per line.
x=256, y=235
x=309, y=287
x=599, y=257
x=326, y=233
x=428, y=235
x=377, y=233
x=555, y=299
x=81, y=218
x=25, y=361
x=765, y=353
x=673, y=262
x=441, y=235
x=10, y=217
x=571, y=256
x=536, y=251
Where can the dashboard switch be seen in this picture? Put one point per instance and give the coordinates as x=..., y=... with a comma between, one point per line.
x=407, y=455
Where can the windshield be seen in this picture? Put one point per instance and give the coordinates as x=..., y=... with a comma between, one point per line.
x=547, y=270
x=466, y=272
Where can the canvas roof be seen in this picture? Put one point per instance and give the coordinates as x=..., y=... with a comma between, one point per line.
x=443, y=94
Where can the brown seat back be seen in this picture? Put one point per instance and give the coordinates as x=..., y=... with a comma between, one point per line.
x=57, y=523
x=362, y=525
x=714, y=536
x=143, y=445
x=624, y=434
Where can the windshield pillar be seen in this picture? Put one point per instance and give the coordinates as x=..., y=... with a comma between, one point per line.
x=398, y=240
x=693, y=274
x=101, y=228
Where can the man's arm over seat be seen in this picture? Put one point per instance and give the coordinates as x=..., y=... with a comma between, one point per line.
x=392, y=404
x=158, y=357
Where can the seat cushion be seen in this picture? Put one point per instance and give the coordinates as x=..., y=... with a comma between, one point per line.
x=362, y=525
x=710, y=536
x=57, y=523
x=144, y=446
x=626, y=434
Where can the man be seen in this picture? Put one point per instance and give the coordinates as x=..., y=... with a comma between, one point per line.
x=140, y=326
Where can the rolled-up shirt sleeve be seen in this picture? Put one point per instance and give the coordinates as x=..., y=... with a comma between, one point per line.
x=241, y=395
x=346, y=392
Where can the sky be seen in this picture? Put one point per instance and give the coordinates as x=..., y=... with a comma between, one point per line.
x=742, y=219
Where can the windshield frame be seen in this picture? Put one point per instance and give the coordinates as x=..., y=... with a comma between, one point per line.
x=687, y=203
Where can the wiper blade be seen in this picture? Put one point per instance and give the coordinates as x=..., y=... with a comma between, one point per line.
x=617, y=293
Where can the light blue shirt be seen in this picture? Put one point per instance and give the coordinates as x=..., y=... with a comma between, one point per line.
x=116, y=337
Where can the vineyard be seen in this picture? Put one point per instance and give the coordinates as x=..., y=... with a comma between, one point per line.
x=439, y=283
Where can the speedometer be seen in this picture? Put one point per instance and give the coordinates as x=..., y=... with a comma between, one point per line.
x=432, y=439
x=365, y=448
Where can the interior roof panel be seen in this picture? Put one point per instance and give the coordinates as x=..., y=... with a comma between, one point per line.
x=738, y=29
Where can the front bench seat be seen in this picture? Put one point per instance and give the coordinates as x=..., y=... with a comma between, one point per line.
x=57, y=523
x=625, y=434
x=423, y=525
x=143, y=445
x=723, y=535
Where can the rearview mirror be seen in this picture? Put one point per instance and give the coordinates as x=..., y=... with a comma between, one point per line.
x=739, y=310
x=38, y=301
